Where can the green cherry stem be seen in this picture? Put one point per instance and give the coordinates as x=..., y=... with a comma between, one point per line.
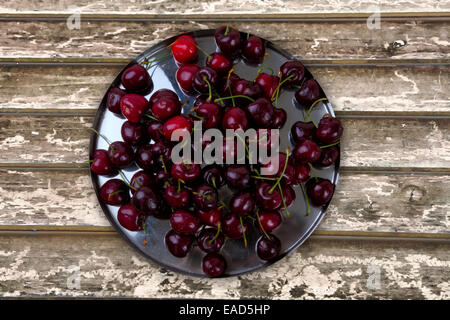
x=216, y=235
x=330, y=145
x=114, y=193
x=163, y=163
x=126, y=180
x=152, y=117
x=264, y=178
x=313, y=172
x=312, y=106
x=260, y=225
x=243, y=231
x=308, y=208
x=226, y=30
x=282, y=173
x=213, y=179
x=209, y=89
x=229, y=87
x=277, y=90
x=103, y=137
x=284, y=202
x=236, y=96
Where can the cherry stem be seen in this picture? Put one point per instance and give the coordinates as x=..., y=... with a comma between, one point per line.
x=313, y=172
x=312, y=106
x=89, y=161
x=152, y=117
x=209, y=89
x=163, y=163
x=284, y=202
x=151, y=63
x=226, y=31
x=229, y=87
x=308, y=209
x=277, y=90
x=248, y=35
x=222, y=204
x=207, y=196
x=257, y=172
x=236, y=96
x=261, y=68
x=264, y=178
x=144, y=226
x=282, y=173
x=216, y=235
x=114, y=193
x=103, y=137
x=243, y=231
x=330, y=145
x=245, y=146
x=126, y=181
x=213, y=179
x=179, y=185
x=260, y=225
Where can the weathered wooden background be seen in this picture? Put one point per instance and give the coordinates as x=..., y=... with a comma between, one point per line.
x=392, y=206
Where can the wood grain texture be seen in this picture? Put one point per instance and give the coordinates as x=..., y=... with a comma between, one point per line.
x=116, y=39
x=382, y=90
x=379, y=142
x=404, y=203
x=107, y=267
x=216, y=7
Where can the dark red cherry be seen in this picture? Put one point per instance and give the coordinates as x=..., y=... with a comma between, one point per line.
x=214, y=265
x=114, y=192
x=184, y=222
x=261, y=112
x=328, y=157
x=226, y=83
x=129, y=218
x=179, y=245
x=302, y=173
x=242, y=204
x=141, y=179
x=145, y=158
x=176, y=198
x=254, y=49
x=279, y=118
x=213, y=175
x=246, y=88
x=185, y=76
x=161, y=153
x=319, y=191
x=208, y=242
x=329, y=130
x=238, y=176
x=288, y=195
x=268, y=84
x=268, y=249
x=113, y=100
x=211, y=115
x=211, y=217
x=205, y=197
x=133, y=107
x=121, y=154
x=228, y=40
x=146, y=201
x=101, y=164
x=155, y=130
x=161, y=177
x=133, y=133
x=235, y=118
x=136, y=79
x=185, y=171
x=293, y=69
x=166, y=107
x=306, y=151
x=302, y=130
x=179, y=123
x=270, y=220
x=184, y=49
x=308, y=93
x=219, y=62
x=204, y=76
x=162, y=93
x=232, y=227
x=267, y=198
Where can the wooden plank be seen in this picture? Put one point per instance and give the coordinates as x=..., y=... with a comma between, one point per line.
x=382, y=90
x=216, y=7
x=405, y=203
x=48, y=266
x=119, y=39
x=378, y=142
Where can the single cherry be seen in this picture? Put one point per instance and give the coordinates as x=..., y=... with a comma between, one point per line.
x=166, y=107
x=205, y=197
x=270, y=220
x=211, y=217
x=288, y=195
x=162, y=93
x=279, y=118
x=213, y=175
x=210, y=240
x=261, y=112
x=129, y=218
x=242, y=204
x=328, y=157
x=306, y=151
x=176, y=198
x=238, y=176
x=268, y=249
x=140, y=179
x=219, y=62
x=210, y=113
x=268, y=83
x=114, y=192
x=121, y=154
x=329, y=130
x=319, y=191
x=136, y=79
x=180, y=123
x=308, y=93
x=254, y=49
x=232, y=226
x=133, y=107
x=245, y=88
x=235, y=118
x=302, y=173
x=302, y=130
x=146, y=200
x=184, y=49
x=155, y=130
x=145, y=159
x=228, y=40
x=133, y=133
x=185, y=171
x=267, y=197
x=184, y=222
x=101, y=164
x=185, y=76
x=294, y=70
x=113, y=100
x=205, y=78
x=214, y=265
x=179, y=245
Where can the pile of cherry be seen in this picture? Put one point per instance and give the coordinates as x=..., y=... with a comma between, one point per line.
x=188, y=193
